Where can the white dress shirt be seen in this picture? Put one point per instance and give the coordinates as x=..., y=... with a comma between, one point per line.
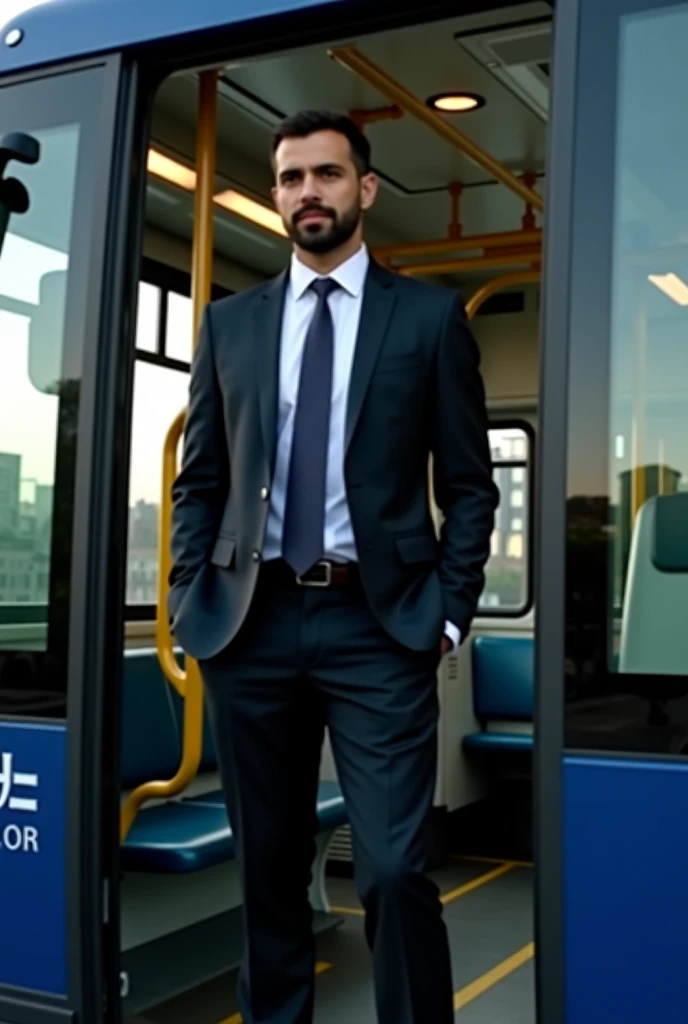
x=345, y=305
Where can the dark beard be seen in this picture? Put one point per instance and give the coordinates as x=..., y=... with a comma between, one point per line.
x=321, y=239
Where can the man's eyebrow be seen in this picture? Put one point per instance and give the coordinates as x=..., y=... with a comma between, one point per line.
x=330, y=166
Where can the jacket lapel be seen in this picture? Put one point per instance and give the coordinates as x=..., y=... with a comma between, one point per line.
x=376, y=311
x=268, y=330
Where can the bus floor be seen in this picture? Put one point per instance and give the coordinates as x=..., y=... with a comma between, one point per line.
x=488, y=912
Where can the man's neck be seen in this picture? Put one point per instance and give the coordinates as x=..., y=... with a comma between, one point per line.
x=325, y=263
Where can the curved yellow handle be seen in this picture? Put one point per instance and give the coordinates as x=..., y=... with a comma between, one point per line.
x=187, y=682
x=498, y=284
x=191, y=757
x=163, y=635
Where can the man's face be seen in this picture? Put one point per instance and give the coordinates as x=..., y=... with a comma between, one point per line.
x=319, y=192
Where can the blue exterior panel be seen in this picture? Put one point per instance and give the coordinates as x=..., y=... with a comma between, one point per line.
x=625, y=890
x=33, y=914
x=71, y=29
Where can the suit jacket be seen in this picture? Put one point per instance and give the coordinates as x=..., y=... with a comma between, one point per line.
x=416, y=392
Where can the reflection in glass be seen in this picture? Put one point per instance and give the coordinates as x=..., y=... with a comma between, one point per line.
x=648, y=456
x=33, y=274
x=626, y=668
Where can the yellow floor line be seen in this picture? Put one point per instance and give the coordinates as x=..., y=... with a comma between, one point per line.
x=236, y=1018
x=481, y=985
x=448, y=897
x=458, y=858
x=477, y=883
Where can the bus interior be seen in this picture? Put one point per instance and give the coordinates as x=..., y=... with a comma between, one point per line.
x=581, y=773
x=444, y=215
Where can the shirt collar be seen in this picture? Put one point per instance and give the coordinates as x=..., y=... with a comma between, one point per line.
x=349, y=275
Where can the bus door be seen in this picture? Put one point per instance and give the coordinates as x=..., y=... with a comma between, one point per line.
x=56, y=135
x=612, y=722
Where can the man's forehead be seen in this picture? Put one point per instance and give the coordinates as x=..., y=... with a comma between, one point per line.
x=311, y=151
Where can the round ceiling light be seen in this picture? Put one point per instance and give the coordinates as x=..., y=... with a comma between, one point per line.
x=456, y=102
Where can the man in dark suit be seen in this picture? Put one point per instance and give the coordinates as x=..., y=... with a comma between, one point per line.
x=308, y=579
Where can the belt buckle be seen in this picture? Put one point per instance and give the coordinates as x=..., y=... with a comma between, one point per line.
x=317, y=583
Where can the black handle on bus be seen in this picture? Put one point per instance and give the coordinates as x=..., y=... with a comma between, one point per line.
x=13, y=195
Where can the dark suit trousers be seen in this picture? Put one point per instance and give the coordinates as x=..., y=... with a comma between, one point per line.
x=306, y=658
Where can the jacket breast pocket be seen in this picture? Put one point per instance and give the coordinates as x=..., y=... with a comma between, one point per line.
x=224, y=552
x=416, y=549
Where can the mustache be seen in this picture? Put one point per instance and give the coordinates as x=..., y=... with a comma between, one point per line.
x=326, y=211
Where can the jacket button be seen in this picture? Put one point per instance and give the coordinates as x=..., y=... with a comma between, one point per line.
x=256, y=556
x=264, y=493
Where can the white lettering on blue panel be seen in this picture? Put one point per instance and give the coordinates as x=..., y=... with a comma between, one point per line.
x=11, y=781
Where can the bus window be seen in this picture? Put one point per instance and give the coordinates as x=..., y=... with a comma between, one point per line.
x=164, y=337
x=507, y=583
x=648, y=386
x=627, y=565
x=160, y=393
x=42, y=303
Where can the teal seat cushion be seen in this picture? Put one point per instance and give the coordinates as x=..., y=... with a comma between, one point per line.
x=498, y=742
x=194, y=834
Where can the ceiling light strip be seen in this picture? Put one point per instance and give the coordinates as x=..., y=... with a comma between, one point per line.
x=162, y=166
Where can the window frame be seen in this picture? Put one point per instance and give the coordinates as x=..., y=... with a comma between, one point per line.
x=48, y=627
x=587, y=322
x=514, y=423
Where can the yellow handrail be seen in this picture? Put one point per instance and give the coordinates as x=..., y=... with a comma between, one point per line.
x=187, y=682
x=498, y=284
x=163, y=635
x=362, y=66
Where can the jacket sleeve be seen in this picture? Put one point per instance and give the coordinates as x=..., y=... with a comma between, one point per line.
x=200, y=491
x=462, y=468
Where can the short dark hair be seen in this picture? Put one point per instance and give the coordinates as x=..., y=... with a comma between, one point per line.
x=305, y=122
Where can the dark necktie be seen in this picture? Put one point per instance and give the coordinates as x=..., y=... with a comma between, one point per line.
x=304, y=514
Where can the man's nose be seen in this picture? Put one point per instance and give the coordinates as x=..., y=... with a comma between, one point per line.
x=310, y=190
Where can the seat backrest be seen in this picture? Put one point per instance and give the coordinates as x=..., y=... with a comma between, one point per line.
x=654, y=626
x=151, y=738
x=503, y=678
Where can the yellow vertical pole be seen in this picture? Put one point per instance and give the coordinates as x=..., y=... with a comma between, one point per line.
x=188, y=682
x=201, y=291
x=206, y=160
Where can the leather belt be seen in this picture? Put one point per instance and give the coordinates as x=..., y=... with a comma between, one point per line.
x=323, y=574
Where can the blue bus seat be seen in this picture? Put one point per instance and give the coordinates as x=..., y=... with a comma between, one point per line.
x=193, y=834
x=503, y=686
x=187, y=833
x=653, y=637
x=330, y=804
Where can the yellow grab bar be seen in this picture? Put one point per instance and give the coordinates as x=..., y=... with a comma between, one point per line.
x=187, y=682
x=191, y=757
x=163, y=636
x=498, y=284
